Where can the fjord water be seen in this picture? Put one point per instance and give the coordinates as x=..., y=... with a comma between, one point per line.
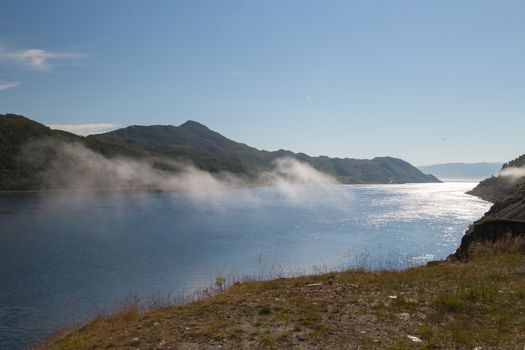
x=65, y=257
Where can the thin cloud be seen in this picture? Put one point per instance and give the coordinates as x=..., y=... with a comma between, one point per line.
x=39, y=59
x=84, y=129
x=4, y=85
x=238, y=73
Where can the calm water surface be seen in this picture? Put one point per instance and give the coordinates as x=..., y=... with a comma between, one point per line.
x=63, y=258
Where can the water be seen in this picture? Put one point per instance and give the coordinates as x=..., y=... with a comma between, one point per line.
x=63, y=258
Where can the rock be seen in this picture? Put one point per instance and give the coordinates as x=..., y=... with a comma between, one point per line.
x=519, y=271
x=404, y=316
x=487, y=230
x=414, y=339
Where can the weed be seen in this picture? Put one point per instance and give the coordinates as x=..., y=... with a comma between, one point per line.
x=220, y=282
x=450, y=302
x=264, y=310
x=425, y=332
x=482, y=292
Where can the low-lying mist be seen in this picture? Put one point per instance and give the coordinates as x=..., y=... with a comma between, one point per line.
x=73, y=166
x=513, y=173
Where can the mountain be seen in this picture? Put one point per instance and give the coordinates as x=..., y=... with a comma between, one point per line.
x=23, y=162
x=462, y=171
x=495, y=188
x=164, y=146
x=15, y=131
x=504, y=223
x=210, y=151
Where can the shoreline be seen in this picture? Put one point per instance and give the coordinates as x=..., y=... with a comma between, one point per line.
x=418, y=307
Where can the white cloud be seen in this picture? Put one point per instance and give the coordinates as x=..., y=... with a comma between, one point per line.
x=4, y=85
x=39, y=59
x=84, y=129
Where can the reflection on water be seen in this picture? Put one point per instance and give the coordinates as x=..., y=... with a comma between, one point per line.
x=63, y=257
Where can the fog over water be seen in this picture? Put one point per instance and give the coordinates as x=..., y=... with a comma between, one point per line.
x=66, y=256
x=71, y=165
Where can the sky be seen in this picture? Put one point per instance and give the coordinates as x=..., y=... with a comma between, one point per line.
x=426, y=81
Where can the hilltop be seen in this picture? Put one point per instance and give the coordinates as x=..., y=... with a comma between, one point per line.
x=27, y=148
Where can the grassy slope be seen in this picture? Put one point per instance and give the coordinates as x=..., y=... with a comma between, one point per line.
x=446, y=305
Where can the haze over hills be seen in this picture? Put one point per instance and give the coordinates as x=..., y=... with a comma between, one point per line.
x=28, y=149
x=462, y=171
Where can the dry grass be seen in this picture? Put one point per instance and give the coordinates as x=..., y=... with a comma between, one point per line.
x=447, y=306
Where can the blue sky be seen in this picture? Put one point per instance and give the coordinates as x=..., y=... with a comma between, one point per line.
x=426, y=81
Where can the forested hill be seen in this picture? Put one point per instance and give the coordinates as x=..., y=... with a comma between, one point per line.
x=496, y=188
x=22, y=167
x=213, y=152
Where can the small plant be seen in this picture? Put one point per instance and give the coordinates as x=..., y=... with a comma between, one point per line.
x=425, y=332
x=460, y=335
x=482, y=291
x=265, y=310
x=450, y=302
x=220, y=282
x=235, y=333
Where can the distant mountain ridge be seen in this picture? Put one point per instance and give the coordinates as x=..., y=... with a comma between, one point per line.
x=166, y=145
x=462, y=171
